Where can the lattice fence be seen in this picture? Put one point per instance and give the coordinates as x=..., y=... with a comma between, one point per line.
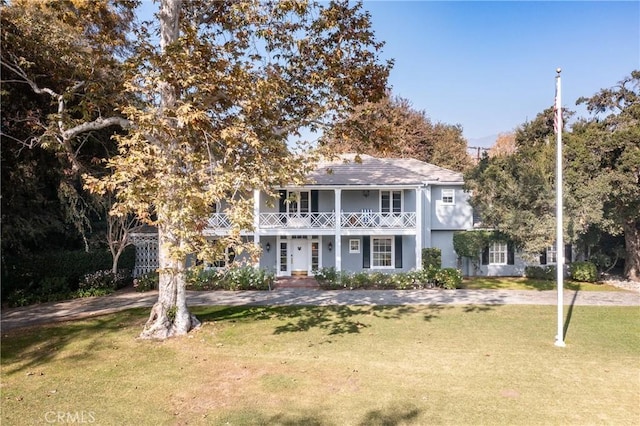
x=146, y=253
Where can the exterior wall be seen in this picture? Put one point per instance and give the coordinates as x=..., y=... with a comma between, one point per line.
x=352, y=262
x=444, y=241
x=269, y=258
x=515, y=270
x=458, y=215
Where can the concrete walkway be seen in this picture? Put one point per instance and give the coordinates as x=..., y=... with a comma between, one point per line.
x=46, y=313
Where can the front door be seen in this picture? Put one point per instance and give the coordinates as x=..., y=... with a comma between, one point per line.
x=299, y=249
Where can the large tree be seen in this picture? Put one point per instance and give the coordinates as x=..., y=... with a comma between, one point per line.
x=62, y=78
x=515, y=193
x=603, y=158
x=216, y=103
x=391, y=127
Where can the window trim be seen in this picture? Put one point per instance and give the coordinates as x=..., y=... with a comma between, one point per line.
x=391, y=253
x=499, y=248
x=391, y=193
x=354, y=248
x=450, y=193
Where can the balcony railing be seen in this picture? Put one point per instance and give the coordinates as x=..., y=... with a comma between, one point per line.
x=298, y=220
x=378, y=220
x=326, y=220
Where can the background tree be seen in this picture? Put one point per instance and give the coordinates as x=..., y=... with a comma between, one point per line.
x=504, y=145
x=390, y=127
x=515, y=193
x=61, y=81
x=217, y=101
x=604, y=164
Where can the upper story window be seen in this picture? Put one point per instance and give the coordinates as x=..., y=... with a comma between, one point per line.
x=391, y=201
x=298, y=202
x=448, y=196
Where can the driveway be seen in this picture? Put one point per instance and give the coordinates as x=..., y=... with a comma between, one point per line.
x=46, y=313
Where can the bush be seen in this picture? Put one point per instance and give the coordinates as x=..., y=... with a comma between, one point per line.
x=584, y=271
x=235, y=278
x=101, y=283
x=146, y=282
x=448, y=278
x=330, y=279
x=431, y=257
x=541, y=272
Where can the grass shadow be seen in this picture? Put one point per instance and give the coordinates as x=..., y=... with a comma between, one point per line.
x=30, y=348
x=391, y=416
x=335, y=320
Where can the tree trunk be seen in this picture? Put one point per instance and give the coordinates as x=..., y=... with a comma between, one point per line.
x=170, y=315
x=632, y=247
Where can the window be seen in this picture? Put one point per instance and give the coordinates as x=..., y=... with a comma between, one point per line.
x=498, y=253
x=552, y=258
x=227, y=258
x=448, y=196
x=382, y=252
x=354, y=246
x=298, y=202
x=391, y=201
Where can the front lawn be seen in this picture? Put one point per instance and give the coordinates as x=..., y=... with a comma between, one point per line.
x=523, y=283
x=348, y=365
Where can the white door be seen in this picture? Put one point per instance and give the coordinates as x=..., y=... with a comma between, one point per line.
x=299, y=250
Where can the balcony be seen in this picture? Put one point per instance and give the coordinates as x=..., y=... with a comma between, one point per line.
x=324, y=221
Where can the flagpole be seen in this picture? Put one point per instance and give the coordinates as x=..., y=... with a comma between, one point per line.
x=559, y=220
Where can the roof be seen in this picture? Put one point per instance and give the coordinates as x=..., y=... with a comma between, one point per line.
x=368, y=171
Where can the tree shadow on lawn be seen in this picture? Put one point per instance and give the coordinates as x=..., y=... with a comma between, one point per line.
x=30, y=348
x=335, y=319
x=393, y=414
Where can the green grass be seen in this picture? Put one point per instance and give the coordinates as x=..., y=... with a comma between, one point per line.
x=522, y=283
x=332, y=366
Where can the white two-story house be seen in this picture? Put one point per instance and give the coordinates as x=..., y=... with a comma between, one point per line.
x=375, y=214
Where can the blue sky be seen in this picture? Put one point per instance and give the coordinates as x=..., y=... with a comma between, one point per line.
x=490, y=66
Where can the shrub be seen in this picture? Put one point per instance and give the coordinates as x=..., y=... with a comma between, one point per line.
x=101, y=283
x=330, y=279
x=146, y=282
x=235, y=278
x=584, y=271
x=448, y=278
x=541, y=272
x=431, y=257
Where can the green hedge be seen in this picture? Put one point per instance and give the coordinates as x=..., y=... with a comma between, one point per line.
x=330, y=279
x=56, y=275
x=541, y=272
x=431, y=257
x=584, y=271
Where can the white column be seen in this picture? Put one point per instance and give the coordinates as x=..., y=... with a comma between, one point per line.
x=427, y=217
x=418, y=229
x=338, y=243
x=256, y=221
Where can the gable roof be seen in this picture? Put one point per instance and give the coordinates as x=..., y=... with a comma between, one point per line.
x=368, y=171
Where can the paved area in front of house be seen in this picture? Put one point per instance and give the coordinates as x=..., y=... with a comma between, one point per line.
x=83, y=308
